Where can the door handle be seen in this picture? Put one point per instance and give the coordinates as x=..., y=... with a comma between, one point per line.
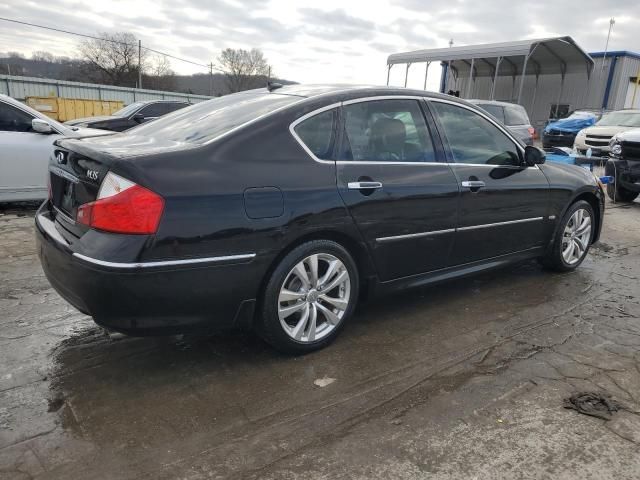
x=473, y=184
x=363, y=185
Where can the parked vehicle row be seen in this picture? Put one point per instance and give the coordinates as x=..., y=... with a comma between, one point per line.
x=598, y=137
x=277, y=210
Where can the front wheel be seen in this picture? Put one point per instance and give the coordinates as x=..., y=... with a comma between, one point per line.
x=572, y=238
x=309, y=297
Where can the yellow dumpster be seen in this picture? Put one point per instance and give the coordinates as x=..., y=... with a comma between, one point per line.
x=63, y=109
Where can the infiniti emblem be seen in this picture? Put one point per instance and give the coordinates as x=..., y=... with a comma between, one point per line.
x=60, y=157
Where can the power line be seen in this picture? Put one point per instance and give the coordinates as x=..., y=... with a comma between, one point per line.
x=109, y=40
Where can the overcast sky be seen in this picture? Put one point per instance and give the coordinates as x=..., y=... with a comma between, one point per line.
x=316, y=41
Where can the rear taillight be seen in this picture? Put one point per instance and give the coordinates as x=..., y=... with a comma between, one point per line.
x=532, y=133
x=122, y=207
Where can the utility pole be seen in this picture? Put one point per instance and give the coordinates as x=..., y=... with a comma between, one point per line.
x=139, y=63
x=612, y=22
x=451, y=43
x=211, y=79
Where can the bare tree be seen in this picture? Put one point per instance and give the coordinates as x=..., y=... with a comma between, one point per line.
x=159, y=75
x=42, y=56
x=243, y=69
x=114, y=57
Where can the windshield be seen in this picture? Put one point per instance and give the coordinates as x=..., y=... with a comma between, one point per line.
x=622, y=119
x=207, y=120
x=128, y=110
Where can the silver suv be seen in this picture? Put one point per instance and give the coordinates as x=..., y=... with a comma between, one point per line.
x=512, y=115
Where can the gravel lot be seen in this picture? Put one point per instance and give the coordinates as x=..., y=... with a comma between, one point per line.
x=464, y=380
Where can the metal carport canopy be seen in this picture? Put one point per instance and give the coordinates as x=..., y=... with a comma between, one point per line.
x=556, y=55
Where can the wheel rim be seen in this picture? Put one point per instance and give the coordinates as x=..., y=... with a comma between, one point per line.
x=577, y=234
x=314, y=297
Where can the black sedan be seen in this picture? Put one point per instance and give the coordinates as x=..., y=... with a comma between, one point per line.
x=130, y=116
x=277, y=210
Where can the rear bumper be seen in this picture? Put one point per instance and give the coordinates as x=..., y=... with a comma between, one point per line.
x=148, y=299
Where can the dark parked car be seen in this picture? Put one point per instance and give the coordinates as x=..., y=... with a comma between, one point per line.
x=562, y=132
x=276, y=210
x=512, y=115
x=130, y=116
x=624, y=166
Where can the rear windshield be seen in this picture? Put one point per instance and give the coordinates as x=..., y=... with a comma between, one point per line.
x=205, y=121
x=516, y=116
x=495, y=110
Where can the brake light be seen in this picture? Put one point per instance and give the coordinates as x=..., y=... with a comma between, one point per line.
x=122, y=207
x=532, y=133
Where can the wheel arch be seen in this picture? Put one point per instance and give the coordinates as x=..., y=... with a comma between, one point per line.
x=592, y=199
x=356, y=248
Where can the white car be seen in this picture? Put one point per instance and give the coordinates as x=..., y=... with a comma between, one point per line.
x=26, y=142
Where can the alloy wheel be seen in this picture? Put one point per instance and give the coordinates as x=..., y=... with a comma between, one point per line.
x=314, y=297
x=576, y=237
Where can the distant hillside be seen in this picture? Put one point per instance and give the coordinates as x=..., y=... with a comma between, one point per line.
x=74, y=70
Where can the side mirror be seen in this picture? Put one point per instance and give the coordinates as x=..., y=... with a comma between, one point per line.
x=41, y=126
x=138, y=117
x=533, y=156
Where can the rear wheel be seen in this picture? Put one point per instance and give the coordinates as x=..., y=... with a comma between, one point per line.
x=309, y=297
x=572, y=239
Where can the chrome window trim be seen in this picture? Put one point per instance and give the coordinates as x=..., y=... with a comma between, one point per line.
x=457, y=229
x=164, y=263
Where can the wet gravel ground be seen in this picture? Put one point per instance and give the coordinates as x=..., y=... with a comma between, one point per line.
x=463, y=380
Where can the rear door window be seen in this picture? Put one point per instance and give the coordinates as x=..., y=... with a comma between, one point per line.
x=387, y=131
x=317, y=133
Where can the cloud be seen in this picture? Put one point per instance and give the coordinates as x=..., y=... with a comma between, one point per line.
x=311, y=41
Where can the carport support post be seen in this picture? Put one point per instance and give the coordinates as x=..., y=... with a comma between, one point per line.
x=524, y=72
x=473, y=61
x=495, y=78
x=406, y=74
x=559, y=95
x=535, y=92
x=426, y=72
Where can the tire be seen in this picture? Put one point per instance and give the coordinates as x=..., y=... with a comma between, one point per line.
x=614, y=191
x=560, y=257
x=298, y=314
